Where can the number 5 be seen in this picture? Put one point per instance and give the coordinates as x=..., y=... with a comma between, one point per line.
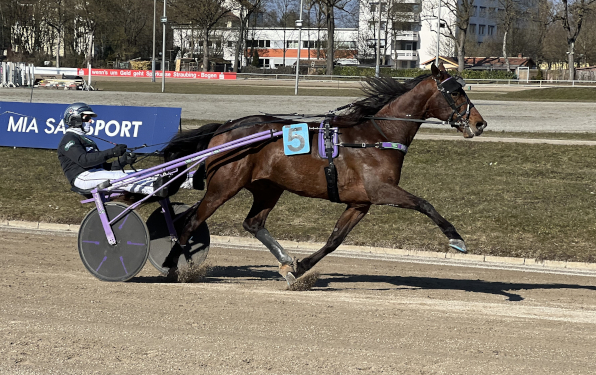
x=292, y=135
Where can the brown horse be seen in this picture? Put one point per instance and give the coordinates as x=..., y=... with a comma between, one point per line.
x=365, y=175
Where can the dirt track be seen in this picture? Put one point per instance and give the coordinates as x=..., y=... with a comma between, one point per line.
x=362, y=317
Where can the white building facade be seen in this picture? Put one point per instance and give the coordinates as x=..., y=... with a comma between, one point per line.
x=275, y=46
x=407, y=35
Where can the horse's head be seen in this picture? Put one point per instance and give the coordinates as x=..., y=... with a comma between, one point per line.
x=450, y=103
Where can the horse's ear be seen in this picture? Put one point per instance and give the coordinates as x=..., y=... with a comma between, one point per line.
x=442, y=67
x=435, y=71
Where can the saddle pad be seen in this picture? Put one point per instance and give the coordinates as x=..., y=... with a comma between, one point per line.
x=334, y=140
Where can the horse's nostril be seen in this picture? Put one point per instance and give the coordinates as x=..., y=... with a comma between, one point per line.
x=481, y=125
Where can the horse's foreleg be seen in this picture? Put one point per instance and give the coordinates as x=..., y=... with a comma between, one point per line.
x=265, y=197
x=402, y=199
x=346, y=222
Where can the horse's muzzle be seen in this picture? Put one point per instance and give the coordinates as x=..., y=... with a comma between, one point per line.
x=479, y=127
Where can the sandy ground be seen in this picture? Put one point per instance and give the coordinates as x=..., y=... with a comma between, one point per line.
x=500, y=115
x=361, y=317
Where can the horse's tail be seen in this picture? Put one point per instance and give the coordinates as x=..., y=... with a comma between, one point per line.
x=188, y=142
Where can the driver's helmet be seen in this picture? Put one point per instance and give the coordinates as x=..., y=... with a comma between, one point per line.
x=73, y=116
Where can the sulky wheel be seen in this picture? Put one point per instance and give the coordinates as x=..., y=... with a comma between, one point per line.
x=194, y=252
x=118, y=262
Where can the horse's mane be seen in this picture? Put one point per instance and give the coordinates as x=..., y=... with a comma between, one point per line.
x=378, y=92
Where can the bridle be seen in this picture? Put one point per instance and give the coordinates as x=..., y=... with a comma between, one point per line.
x=458, y=117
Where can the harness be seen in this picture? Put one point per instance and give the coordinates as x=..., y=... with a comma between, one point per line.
x=328, y=136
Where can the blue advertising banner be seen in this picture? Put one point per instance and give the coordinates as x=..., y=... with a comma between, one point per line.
x=41, y=125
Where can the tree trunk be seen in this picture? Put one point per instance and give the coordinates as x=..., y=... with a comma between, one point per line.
x=283, y=63
x=505, y=51
x=239, y=43
x=330, y=39
x=461, y=51
x=571, y=60
x=205, y=50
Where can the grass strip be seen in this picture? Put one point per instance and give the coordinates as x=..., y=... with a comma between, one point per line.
x=507, y=199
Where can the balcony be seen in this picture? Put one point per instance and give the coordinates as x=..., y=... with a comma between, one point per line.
x=404, y=55
x=410, y=36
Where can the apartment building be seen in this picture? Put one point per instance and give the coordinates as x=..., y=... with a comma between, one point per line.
x=483, y=25
x=406, y=29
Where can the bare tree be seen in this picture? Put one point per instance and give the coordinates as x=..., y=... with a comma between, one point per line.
x=508, y=16
x=457, y=31
x=328, y=9
x=571, y=14
x=586, y=41
x=244, y=9
x=206, y=14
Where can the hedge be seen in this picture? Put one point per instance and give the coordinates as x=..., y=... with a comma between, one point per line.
x=388, y=72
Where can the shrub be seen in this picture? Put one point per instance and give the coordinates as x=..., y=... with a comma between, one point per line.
x=140, y=65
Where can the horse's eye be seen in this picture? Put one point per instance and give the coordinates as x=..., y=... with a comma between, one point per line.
x=455, y=94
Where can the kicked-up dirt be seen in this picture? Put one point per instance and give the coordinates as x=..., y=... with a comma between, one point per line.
x=361, y=317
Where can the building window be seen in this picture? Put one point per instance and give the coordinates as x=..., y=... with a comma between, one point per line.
x=291, y=44
x=345, y=45
x=264, y=63
x=481, y=29
x=491, y=30
x=475, y=11
x=258, y=43
x=472, y=28
x=374, y=9
x=372, y=25
x=482, y=12
x=230, y=44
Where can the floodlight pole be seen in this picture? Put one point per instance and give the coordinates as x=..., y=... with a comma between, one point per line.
x=153, y=58
x=438, y=34
x=377, y=66
x=164, y=20
x=299, y=25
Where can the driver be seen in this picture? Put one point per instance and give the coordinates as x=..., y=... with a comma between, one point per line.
x=85, y=166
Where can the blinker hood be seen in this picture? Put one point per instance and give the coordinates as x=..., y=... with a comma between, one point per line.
x=453, y=84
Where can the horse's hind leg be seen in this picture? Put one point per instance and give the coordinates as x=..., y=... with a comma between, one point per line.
x=266, y=196
x=218, y=192
x=346, y=222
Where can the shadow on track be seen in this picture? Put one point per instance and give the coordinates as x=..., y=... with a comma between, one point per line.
x=329, y=282
x=474, y=286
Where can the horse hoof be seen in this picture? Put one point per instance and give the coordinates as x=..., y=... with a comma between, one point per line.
x=290, y=279
x=305, y=282
x=288, y=271
x=458, y=245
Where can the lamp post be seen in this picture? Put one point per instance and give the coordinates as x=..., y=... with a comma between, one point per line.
x=438, y=34
x=377, y=66
x=153, y=58
x=299, y=25
x=164, y=20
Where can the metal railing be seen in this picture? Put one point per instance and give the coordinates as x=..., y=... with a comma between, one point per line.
x=16, y=74
x=475, y=81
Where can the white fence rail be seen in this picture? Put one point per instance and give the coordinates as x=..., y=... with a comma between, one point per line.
x=500, y=82
x=21, y=74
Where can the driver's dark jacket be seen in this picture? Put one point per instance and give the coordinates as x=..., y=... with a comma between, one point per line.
x=78, y=154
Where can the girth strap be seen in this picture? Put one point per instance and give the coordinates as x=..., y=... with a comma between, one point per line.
x=330, y=171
